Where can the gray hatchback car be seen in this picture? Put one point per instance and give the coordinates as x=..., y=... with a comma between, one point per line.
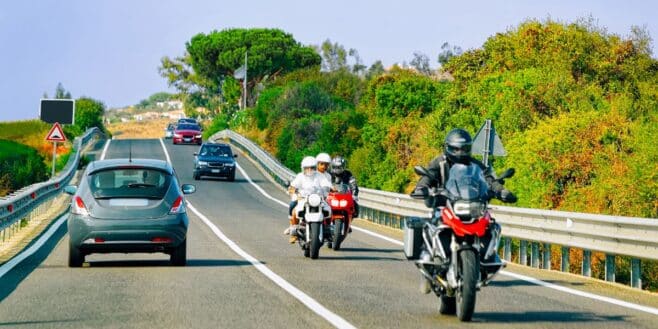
x=128, y=205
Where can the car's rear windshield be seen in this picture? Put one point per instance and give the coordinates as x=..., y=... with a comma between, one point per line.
x=146, y=183
x=187, y=126
x=216, y=150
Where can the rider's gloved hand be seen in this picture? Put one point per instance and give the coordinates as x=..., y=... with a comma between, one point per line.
x=507, y=196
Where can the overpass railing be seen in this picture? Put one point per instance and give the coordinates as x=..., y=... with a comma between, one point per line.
x=534, y=228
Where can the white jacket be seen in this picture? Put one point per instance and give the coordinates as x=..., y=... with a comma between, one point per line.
x=306, y=185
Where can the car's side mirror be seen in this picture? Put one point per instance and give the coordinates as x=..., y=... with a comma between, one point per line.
x=70, y=189
x=188, y=188
x=235, y=155
x=195, y=153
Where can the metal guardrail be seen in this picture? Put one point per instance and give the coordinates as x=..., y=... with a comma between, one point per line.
x=19, y=204
x=613, y=235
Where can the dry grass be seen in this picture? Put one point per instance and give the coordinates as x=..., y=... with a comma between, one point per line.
x=139, y=129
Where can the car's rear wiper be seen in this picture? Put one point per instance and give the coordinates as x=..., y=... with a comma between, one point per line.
x=140, y=185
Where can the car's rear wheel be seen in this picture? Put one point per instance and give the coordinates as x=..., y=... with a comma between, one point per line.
x=179, y=254
x=76, y=257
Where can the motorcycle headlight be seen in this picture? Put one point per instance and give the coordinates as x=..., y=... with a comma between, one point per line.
x=469, y=209
x=335, y=203
x=202, y=163
x=343, y=203
x=314, y=200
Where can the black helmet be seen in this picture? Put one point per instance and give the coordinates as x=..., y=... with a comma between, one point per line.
x=457, y=146
x=338, y=164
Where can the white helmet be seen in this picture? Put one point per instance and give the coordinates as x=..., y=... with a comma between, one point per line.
x=309, y=162
x=323, y=157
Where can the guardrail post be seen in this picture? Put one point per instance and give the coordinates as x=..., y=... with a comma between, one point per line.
x=587, y=263
x=565, y=259
x=636, y=273
x=534, y=255
x=610, y=268
x=547, y=256
x=523, y=252
x=507, y=251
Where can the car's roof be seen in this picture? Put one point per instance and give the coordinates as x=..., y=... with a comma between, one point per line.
x=127, y=163
x=214, y=143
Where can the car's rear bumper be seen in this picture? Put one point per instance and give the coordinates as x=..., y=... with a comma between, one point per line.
x=92, y=235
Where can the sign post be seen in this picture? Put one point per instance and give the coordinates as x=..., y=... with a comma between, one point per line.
x=487, y=142
x=56, y=134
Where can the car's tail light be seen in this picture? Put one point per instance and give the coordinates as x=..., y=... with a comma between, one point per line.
x=161, y=240
x=99, y=240
x=178, y=207
x=78, y=207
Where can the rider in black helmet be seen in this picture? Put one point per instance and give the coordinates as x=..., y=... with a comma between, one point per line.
x=457, y=149
x=340, y=175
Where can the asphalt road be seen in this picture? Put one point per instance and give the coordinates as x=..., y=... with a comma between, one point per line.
x=252, y=278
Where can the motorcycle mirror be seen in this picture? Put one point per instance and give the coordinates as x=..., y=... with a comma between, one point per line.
x=507, y=173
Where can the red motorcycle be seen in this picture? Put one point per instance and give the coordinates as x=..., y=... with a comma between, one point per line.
x=342, y=210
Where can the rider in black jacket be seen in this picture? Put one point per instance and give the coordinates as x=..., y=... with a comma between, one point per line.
x=457, y=149
x=340, y=175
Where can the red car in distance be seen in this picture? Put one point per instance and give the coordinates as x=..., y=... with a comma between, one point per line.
x=187, y=133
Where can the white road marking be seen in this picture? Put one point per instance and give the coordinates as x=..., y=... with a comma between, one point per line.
x=8, y=266
x=107, y=144
x=305, y=299
x=514, y=275
x=260, y=189
x=165, y=151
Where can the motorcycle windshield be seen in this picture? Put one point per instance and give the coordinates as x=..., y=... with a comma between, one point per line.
x=342, y=188
x=466, y=182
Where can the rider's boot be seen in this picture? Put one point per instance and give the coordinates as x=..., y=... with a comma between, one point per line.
x=293, y=222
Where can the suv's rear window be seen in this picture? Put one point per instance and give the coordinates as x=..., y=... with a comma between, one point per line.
x=129, y=183
x=216, y=150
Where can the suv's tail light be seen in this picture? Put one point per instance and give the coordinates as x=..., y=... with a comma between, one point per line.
x=178, y=207
x=78, y=207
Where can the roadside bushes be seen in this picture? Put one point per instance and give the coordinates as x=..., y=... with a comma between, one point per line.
x=20, y=166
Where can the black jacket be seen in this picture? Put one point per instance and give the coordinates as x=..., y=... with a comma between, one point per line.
x=346, y=177
x=435, y=167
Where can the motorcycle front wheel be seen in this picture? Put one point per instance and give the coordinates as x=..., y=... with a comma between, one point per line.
x=316, y=239
x=470, y=272
x=338, y=234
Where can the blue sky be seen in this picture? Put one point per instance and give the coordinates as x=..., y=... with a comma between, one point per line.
x=110, y=49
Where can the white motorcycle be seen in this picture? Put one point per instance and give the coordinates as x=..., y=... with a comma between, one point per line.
x=311, y=210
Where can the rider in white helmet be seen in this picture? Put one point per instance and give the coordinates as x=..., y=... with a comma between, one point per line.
x=305, y=183
x=324, y=160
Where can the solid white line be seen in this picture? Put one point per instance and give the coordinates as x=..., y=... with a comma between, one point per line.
x=165, y=150
x=518, y=276
x=8, y=266
x=258, y=187
x=583, y=294
x=311, y=303
x=107, y=144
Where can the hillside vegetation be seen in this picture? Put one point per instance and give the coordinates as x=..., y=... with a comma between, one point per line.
x=575, y=107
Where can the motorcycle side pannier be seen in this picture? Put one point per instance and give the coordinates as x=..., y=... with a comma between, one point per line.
x=413, y=239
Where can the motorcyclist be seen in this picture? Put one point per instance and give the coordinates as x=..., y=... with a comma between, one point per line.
x=340, y=175
x=305, y=183
x=457, y=149
x=323, y=160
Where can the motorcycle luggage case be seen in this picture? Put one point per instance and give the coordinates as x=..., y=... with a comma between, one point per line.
x=413, y=227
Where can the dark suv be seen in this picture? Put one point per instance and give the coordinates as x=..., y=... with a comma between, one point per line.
x=214, y=159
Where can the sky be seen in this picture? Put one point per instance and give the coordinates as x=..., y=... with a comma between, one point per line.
x=110, y=50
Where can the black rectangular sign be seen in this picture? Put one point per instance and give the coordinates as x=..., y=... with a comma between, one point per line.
x=57, y=110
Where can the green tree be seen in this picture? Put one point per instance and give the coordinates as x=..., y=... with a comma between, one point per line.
x=271, y=52
x=61, y=93
x=421, y=63
x=88, y=113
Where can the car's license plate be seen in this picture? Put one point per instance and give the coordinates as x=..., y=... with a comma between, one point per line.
x=215, y=171
x=187, y=139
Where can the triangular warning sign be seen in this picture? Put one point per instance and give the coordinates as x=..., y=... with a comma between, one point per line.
x=56, y=134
